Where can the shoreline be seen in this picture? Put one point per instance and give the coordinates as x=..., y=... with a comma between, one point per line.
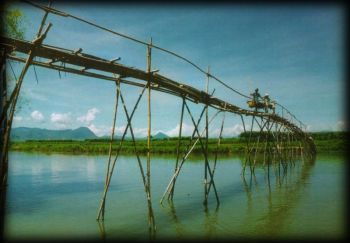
x=159, y=147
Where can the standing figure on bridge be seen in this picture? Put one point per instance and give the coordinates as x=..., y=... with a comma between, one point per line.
x=256, y=95
x=266, y=102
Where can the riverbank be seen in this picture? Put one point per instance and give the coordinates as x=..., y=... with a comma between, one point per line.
x=159, y=146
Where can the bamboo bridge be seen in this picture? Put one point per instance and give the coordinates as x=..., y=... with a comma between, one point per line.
x=281, y=134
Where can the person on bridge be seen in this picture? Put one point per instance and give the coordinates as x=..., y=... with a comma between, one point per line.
x=266, y=102
x=256, y=95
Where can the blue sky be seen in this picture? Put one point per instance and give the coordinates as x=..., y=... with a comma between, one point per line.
x=294, y=53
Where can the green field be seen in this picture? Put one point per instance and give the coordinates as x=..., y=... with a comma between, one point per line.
x=325, y=141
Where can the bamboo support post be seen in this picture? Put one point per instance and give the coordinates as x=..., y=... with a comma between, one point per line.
x=171, y=195
x=146, y=186
x=247, y=146
x=204, y=153
x=205, y=202
x=188, y=152
x=217, y=148
x=151, y=221
x=104, y=195
x=15, y=94
x=190, y=147
x=110, y=146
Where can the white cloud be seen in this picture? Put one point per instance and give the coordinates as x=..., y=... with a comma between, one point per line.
x=100, y=130
x=233, y=131
x=89, y=117
x=37, y=116
x=138, y=132
x=187, y=130
x=18, y=118
x=341, y=126
x=118, y=131
x=61, y=120
x=308, y=128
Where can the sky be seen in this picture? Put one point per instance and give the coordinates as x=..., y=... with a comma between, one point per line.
x=293, y=53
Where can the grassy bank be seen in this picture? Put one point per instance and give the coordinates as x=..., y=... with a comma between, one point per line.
x=325, y=142
x=164, y=146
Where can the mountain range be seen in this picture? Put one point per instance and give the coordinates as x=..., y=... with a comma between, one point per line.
x=81, y=133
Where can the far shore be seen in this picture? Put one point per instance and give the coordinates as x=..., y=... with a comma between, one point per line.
x=325, y=143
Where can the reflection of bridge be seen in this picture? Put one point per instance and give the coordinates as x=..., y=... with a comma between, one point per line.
x=276, y=133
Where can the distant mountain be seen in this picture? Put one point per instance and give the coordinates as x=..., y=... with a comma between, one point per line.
x=26, y=133
x=160, y=135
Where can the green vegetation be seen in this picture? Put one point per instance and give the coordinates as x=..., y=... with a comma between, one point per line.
x=12, y=22
x=159, y=146
x=325, y=141
x=331, y=141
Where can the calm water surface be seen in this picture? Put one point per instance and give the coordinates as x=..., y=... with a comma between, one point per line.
x=57, y=196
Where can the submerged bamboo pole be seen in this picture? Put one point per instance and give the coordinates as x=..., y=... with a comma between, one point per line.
x=188, y=152
x=104, y=195
x=171, y=185
x=205, y=202
x=110, y=148
x=171, y=195
x=146, y=186
x=217, y=148
x=204, y=153
x=151, y=221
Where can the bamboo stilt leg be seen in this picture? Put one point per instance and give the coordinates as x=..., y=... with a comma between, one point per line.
x=247, y=148
x=111, y=143
x=99, y=214
x=257, y=143
x=217, y=148
x=15, y=94
x=205, y=154
x=151, y=221
x=205, y=202
x=146, y=186
x=171, y=195
x=171, y=183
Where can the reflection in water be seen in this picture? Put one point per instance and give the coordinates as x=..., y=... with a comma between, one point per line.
x=283, y=181
x=179, y=228
x=91, y=169
x=211, y=222
x=277, y=200
x=288, y=186
x=101, y=227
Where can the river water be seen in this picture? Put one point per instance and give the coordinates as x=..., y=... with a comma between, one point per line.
x=55, y=196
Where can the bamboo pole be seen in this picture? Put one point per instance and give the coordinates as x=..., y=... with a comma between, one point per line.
x=104, y=195
x=15, y=94
x=171, y=185
x=189, y=149
x=217, y=147
x=146, y=186
x=205, y=202
x=151, y=221
x=247, y=147
x=204, y=153
x=178, y=146
x=173, y=178
x=110, y=144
